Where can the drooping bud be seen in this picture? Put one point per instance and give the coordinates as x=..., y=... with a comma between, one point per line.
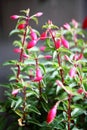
x=15, y=92
x=21, y=26
x=33, y=35
x=47, y=57
x=13, y=17
x=52, y=113
x=39, y=76
x=65, y=43
x=17, y=50
x=78, y=56
x=66, y=26
x=72, y=72
x=43, y=36
x=38, y=14
x=57, y=43
x=31, y=44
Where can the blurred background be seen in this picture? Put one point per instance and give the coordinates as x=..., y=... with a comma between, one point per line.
x=59, y=11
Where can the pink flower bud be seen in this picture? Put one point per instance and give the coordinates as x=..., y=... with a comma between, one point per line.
x=33, y=35
x=39, y=76
x=52, y=113
x=21, y=26
x=38, y=14
x=13, y=17
x=17, y=50
x=42, y=48
x=64, y=42
x=57, y=44
x=47, y=57
x=80, y=91
x=84, y=24
x=43, y=36
x=75, y=23
x=78, y=56
x=72, y=72
x=66, y=26
x=15, y=92
x=31, y=44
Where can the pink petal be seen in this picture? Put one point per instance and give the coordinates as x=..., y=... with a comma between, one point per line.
x=42, y=48
x=31, y=44
x=72, y=72
x=15, y=92
x=52, y=113
x=47, y=57
x=38, y=14
x=17, y=50
x=21, y=26
x=13, y=17
x=33, y=35
x=65, y=43
x=57, y=44
x=66, y=26
x=43, y=36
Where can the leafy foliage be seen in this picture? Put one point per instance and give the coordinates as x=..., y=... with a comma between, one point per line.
x=43, y=77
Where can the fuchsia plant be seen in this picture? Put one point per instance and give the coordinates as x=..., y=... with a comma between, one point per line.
x=48, y=87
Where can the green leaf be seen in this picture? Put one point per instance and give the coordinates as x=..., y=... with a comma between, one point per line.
x=44, y=96
x=34, y=109
x=17, y=43
x=76, y=112
x=11, y=62
x=14, y=32
x=18, y=103
x=45, y=106
x=18, y=112
x=35, y=19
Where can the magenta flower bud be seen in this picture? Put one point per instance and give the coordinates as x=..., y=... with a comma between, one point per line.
x=21, y=26
x=43, y=36
x=66, y=26
x=15, y=92
x=42, y=48
x=13, y=17
x=52, y=113
x=78, y=56
x=72, y=72
x=64, y=42
x=47, y=57
x=31, y=44
x=17, y=50
x=80, y=91
x=57, y=44
x=39, y=76
x=38, y=14
x=33, y=35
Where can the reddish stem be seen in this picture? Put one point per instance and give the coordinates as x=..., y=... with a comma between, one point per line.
x=61, y=71
x=69, y=111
